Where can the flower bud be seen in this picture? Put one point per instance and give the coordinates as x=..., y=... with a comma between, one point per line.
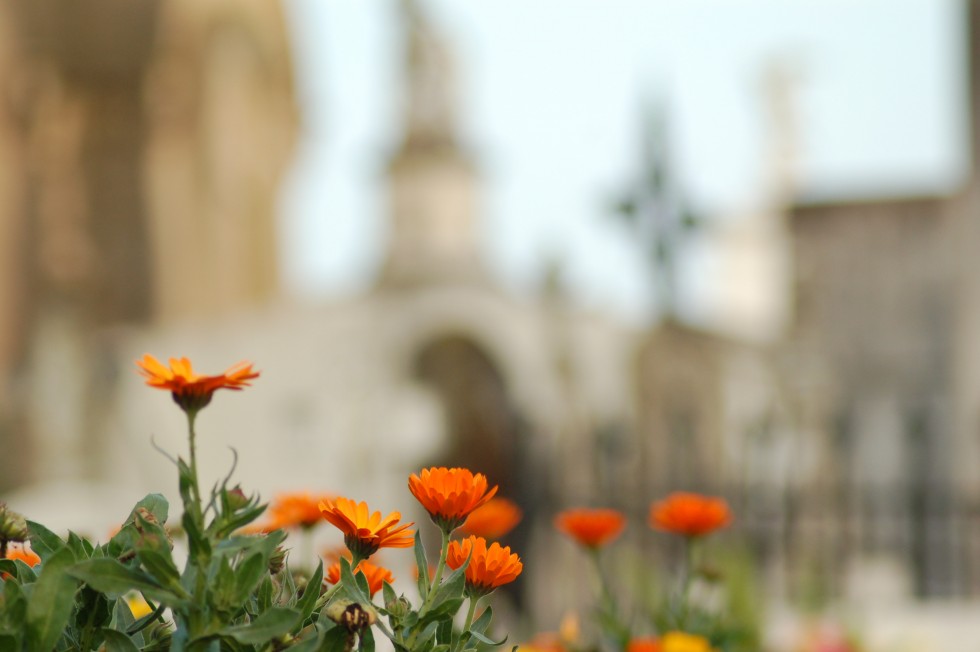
x=277, y=560
x=236, y=499
x=352, y=616
x=398, y=608
x=13, y=526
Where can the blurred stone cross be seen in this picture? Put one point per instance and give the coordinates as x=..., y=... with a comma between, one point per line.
x=655, y=211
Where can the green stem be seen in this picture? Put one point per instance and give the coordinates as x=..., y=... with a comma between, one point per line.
x=195, y=484
x=464, y=636
x=443, y=553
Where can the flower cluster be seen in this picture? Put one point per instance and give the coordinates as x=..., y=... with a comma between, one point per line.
x=685, y=626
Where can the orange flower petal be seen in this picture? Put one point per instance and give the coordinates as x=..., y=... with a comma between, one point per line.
x=592, y=528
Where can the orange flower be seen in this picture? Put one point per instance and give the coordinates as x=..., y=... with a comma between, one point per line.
x=189, y=390
x=592, y=528
x=376, y=575
x=690, y=515
x=545, y=642
x=296, y=510
x=449, y=495
x=489, y=567
x=646, y=644
x=24, y=554
x=364, y=532
x=493, y=519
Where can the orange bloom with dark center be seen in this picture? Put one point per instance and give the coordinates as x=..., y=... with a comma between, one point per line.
x=645, y=644
x=189, y=390
x=376, y=576
x=450, y=495
x=366, y=532
x=493, y=519
x=592, y=528
x=690, y=515
x=296, y=510
x=489, y=567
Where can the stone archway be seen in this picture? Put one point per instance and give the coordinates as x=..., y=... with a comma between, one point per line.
x=486, y=432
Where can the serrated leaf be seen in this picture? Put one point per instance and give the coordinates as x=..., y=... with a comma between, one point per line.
x=115, y=580
x=44, y=542
x=51, y=601
x=273, y=623
x=118, y=642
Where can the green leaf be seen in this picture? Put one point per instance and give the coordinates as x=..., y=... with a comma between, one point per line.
x=423, y=566
x=486, y=641
x=334, y=640
x=247, y=576
x=118, y=642
x=51, y=601
x=263, y=595
x=161, y=566
x=351, y=586
x=273, y=623
x=366, y=643
x=308, y=601
x=156, y=504
x=483, y=622
x=450, y=592
x=81, y=548
x=9, y=643
x=44, y=542
x=112, y=578
x=14, y=611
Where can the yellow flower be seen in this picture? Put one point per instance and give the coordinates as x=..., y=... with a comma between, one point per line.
x=138, y=606
x=683, y=642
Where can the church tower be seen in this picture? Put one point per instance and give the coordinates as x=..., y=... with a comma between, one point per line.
x=432, y=181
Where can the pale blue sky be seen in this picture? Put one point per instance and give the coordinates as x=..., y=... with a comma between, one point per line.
x=550, y=96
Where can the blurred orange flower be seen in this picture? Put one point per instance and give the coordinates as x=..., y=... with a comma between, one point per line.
x=364, y=532
x=376, y=575
x=296, y=510
x=489, y=567
x=690, y=515
x=645, y=644
x=544, y=642
x=24, y=554
x=493, y=519
x=189, y=390
x=592, y=528
x=450, y=495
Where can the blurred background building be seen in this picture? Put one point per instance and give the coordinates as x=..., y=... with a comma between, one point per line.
x=834, y=400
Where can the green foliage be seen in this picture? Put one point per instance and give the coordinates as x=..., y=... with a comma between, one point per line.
x=231, y=593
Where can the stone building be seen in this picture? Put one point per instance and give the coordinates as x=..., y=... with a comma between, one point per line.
x=141, y=147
